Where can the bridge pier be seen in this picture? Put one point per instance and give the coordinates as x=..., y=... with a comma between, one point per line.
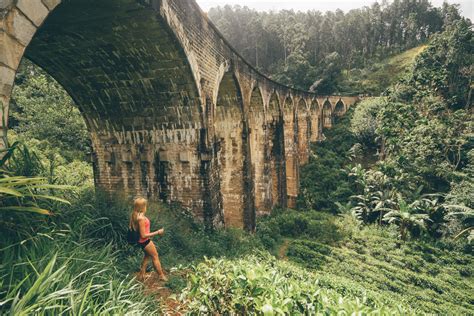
x=291, y=150
x=303, y=129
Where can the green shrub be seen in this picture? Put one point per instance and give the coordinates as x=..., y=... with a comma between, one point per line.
x=431, y=278
x=294, y=224
x=309, y=253
x=258, y=283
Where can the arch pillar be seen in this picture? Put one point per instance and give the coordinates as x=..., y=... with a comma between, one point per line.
x=314, y=113
x=303, y=131
x=19, y=21
x=291, y=150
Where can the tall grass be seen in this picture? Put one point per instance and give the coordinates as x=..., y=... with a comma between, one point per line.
x=58, y=269
x=78, y=262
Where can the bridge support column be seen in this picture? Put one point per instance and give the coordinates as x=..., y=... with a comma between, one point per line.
x=291, y=152
x=303, y=130
x=314, y=121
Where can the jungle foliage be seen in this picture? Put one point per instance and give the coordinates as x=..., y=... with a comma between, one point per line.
x=423, y=128
x=54, y=137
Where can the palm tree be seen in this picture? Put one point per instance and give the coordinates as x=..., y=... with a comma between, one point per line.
x=406, y=216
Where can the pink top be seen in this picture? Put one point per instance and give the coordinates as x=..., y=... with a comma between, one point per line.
x=147, y=230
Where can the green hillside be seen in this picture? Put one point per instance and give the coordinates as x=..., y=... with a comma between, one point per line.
x=375, y=78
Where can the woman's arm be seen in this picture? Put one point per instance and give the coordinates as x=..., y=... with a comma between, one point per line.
x=142, y=230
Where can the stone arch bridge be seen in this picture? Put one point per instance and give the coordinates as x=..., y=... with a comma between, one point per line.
x=174, y=113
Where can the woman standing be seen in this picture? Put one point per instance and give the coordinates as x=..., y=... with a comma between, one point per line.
x=141, y=224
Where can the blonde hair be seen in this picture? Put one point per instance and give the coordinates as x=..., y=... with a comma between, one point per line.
x=139, y=209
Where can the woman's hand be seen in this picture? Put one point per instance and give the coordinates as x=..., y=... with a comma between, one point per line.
x=161, y=232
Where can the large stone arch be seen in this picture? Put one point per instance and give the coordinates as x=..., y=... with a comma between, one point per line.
x=133, y=82
x=327, y=114
x=147, y=74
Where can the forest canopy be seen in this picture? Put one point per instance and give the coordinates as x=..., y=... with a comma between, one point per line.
x=311, y=49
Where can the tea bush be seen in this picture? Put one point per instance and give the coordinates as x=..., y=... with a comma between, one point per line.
x=260, y=284
x=428, y=277
x=286, y=223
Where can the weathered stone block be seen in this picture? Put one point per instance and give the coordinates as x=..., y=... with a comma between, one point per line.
x=145, y=156
x=4, y=4
x=164, y=156
x=127, y=156
x=107, y=156
x=206, y=157
x=51, y=4
x=4, y=101
x=7, y=77
x=184, y=156
x=12, y=51
x=35, y=10
x=18, y=26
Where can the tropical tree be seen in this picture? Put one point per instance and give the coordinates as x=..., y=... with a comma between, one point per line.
x=407, y=216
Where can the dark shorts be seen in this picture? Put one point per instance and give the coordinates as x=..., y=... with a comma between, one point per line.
x=144, y=244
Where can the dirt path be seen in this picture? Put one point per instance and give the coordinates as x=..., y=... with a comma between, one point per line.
x=156, y=287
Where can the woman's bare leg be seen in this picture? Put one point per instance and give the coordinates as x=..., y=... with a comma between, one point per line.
x=151, y=251
x=143, y=266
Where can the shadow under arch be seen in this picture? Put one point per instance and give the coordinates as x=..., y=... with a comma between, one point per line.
x=258, y=152
x=291, y=151
x=339, y=108
x=275, y=166
x=327, y=114
x=303, y=129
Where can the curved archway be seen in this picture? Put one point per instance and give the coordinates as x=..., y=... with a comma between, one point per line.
x=133, y=83
x=339, y=108
x=327, y=114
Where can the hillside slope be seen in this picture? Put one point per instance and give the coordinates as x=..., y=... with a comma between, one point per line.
x=375, y=78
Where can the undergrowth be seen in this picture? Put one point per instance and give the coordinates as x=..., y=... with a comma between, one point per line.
x=78, y=262
x=260, y=284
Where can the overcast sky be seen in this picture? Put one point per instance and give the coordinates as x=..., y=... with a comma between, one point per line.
x=321, y=5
